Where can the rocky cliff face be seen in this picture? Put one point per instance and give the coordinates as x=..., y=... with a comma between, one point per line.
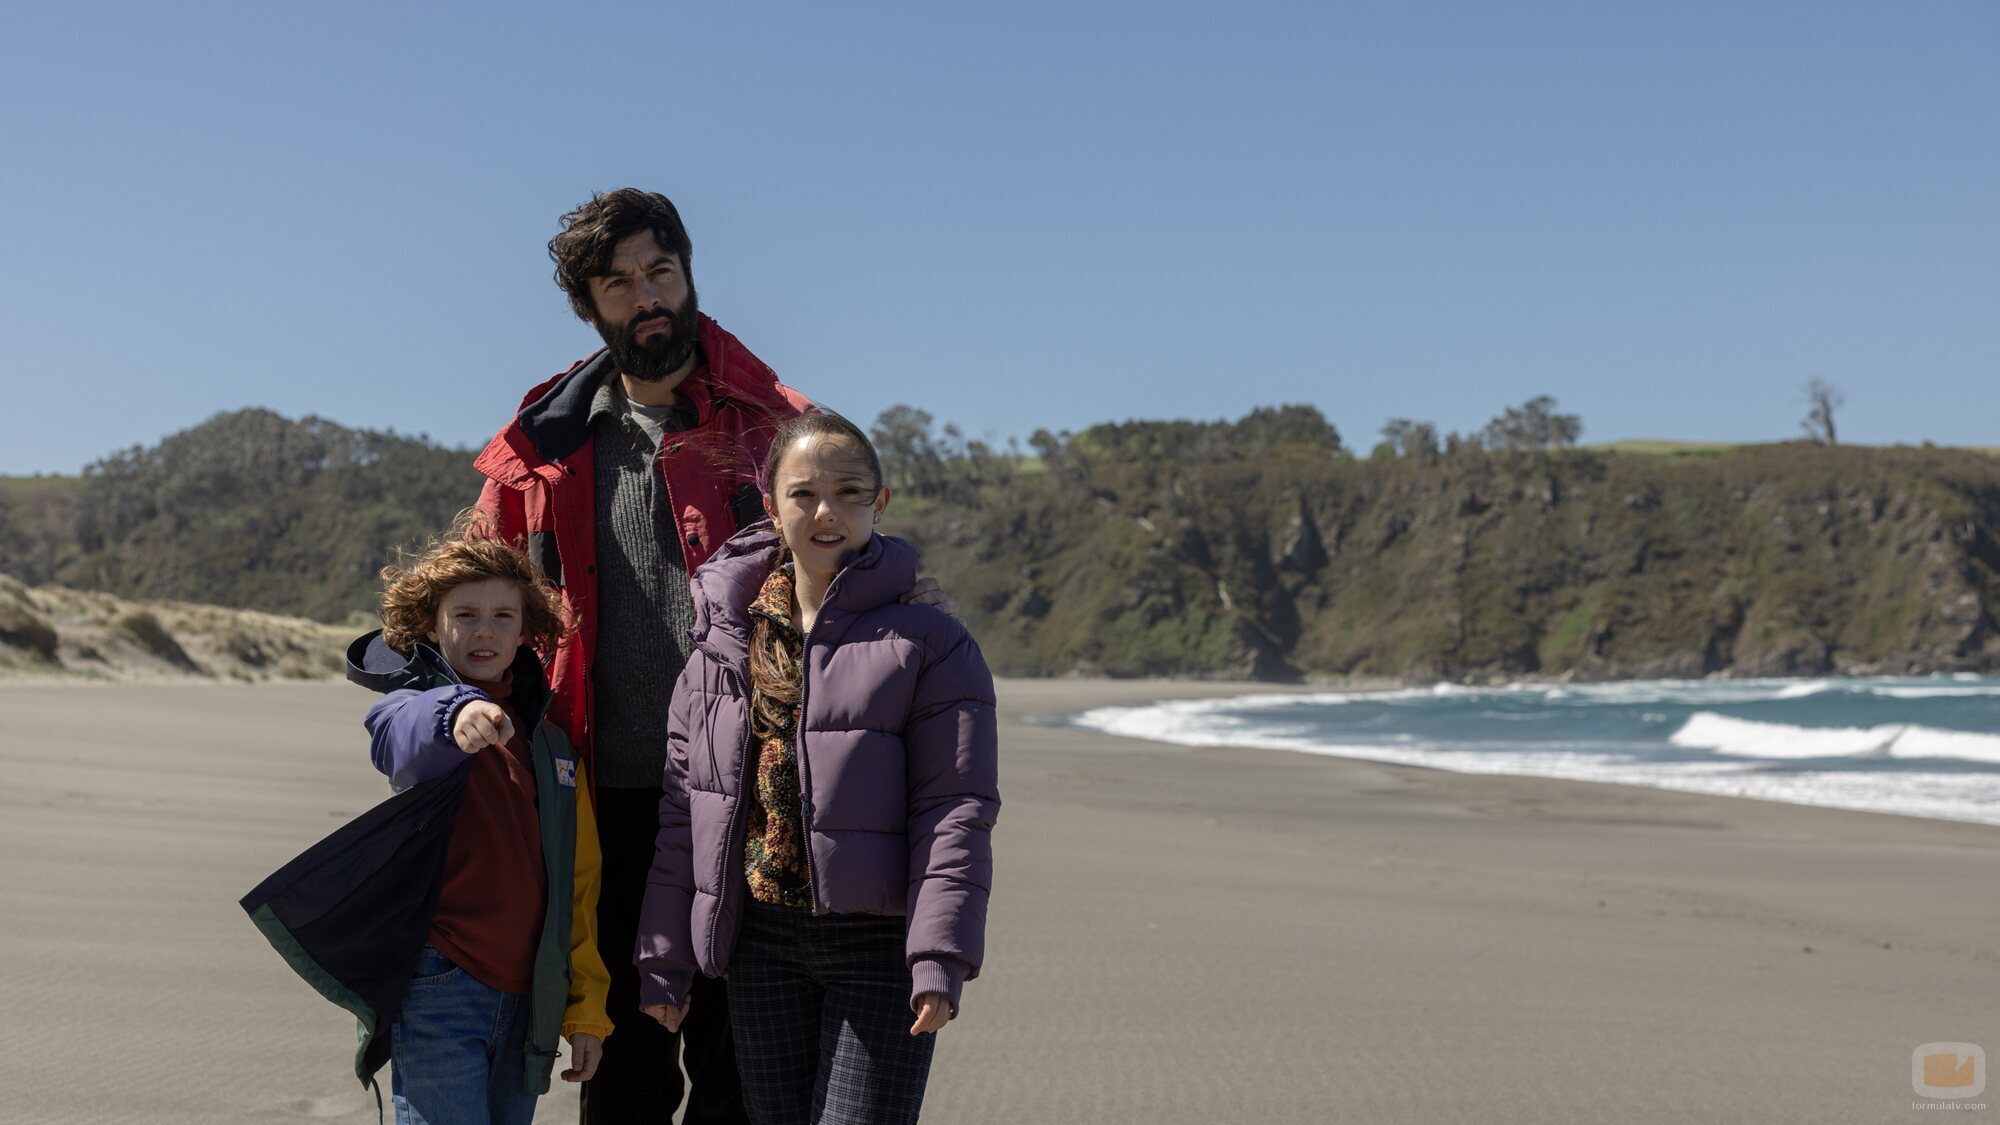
x=1773, y=560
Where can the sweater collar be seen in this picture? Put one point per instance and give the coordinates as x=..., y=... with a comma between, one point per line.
x=609, y=402
x=500, y=690
x=556, y=419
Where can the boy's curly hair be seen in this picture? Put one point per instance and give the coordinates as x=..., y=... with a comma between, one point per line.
x=469, y=552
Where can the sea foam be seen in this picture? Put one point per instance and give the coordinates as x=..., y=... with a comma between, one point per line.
x=1671, y=734
x=1750, y=738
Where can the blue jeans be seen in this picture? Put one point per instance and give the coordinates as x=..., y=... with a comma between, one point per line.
x=459, y=1047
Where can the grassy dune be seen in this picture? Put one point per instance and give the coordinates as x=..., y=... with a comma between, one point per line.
x=52, y=632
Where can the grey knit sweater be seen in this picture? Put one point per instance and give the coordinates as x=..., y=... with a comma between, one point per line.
x=644, y=607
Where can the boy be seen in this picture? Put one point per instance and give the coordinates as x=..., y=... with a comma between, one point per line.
x=460, y=915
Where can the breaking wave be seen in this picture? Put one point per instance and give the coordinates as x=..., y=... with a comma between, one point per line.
x=1920, y=747
x=1752, y=739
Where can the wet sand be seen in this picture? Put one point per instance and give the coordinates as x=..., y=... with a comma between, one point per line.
x=1177, y=935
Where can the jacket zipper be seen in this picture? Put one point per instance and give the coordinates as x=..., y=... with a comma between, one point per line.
x=799, y=747
x=739, y=825
x=738, y=822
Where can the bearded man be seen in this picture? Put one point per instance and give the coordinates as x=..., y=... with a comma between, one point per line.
x=619, y=477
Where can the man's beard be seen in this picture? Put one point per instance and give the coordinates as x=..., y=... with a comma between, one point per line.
x=664, y=353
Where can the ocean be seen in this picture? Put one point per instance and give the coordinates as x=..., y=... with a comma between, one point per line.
x=1921, y=747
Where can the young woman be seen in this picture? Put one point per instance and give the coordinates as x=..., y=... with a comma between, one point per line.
x=831, y=788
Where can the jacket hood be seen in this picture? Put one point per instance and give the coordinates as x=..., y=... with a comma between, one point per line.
x=555, y=417
x=878, y=574
x=381, y=669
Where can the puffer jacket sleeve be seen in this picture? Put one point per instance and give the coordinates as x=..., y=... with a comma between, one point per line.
x=951, y=746
x=589, y=980
x=409, y=733
x=665, y=952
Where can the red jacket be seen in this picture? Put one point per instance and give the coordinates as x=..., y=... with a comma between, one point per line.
x=541, y=487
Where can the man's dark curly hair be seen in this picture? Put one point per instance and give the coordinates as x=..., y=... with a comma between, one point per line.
x=582, y=249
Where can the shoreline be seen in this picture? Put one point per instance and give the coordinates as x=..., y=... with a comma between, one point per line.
x=1046, y=702
x=1151, y=717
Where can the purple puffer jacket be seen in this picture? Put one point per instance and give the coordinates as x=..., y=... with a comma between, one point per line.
x=898, y=772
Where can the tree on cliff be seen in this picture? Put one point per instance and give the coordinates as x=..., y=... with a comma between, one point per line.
x=1296, y=424
x=911, y=457
x=1403, y=437
x=1533, y=425
x=1256, y=434
x=1822, y=398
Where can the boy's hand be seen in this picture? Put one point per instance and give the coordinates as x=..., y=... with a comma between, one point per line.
x=481, y=724
x=584, y=1051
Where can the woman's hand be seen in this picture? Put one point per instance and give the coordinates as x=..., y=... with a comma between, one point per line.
x=933, y=1012
x=668, y=1015
x=584, y=1052
x=480, y=724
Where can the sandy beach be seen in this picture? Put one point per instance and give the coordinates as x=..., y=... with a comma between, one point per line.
x=1178, y=935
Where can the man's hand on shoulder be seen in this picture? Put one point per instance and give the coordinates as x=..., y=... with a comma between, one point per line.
x=928, y=592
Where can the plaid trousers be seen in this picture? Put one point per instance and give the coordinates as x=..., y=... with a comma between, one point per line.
x=820, y=1008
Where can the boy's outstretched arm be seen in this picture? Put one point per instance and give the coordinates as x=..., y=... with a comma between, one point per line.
x=409, y=733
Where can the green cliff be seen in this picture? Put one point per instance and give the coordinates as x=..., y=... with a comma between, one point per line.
x=1767, y=560
x=1253, y=549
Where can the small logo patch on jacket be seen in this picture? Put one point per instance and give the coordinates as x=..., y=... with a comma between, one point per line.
x=566, y=772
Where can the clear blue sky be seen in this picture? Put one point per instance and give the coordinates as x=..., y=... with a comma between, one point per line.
x=1668, y=216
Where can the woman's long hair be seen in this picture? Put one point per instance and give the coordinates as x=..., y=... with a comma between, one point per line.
x=775, y=676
